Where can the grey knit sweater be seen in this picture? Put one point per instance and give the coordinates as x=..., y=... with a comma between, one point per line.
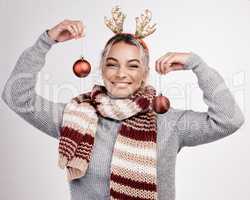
x=176, y=129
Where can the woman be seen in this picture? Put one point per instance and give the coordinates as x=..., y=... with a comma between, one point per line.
x=124, y=72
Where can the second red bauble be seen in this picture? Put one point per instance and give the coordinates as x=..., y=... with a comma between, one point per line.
x=161, y=104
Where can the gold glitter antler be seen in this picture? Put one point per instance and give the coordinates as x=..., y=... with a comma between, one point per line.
x=116, y=25
x=143, y=28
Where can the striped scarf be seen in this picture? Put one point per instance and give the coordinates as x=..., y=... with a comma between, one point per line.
x=133, y=165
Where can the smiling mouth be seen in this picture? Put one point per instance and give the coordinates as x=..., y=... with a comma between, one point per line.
x=121, y=83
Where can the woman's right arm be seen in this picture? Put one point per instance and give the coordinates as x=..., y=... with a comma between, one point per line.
x=19, y=91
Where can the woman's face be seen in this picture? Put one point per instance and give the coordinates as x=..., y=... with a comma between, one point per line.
x=123, y=70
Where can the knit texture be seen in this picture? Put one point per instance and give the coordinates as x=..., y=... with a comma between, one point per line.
x=133, y=165
x=176, y=128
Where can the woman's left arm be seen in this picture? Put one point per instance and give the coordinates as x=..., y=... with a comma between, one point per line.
x=223, y=116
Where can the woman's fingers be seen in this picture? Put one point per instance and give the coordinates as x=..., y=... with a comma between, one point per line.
x=166, y=63
x=66, y=30
x=80, y=28
x=69, y=28
x=160, y=63
x=170, y=62
x=75, y=28
x=173, y=63
x=176, y=66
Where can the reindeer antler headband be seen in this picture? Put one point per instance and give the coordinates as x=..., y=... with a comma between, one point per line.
x=143, y=28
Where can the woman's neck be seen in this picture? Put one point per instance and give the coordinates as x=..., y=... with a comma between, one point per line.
x=115, y=97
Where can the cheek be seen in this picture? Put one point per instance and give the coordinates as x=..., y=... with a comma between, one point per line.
x=138, y=76
x=106, y=74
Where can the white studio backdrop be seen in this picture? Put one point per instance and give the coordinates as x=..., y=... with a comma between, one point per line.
x=218, y=31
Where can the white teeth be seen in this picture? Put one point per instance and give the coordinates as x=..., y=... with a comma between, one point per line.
x=121, y=84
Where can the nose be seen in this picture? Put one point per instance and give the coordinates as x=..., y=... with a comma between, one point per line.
x=121, y=72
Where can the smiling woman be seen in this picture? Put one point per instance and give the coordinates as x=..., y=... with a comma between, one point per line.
x=120, y=148
x=124, y=66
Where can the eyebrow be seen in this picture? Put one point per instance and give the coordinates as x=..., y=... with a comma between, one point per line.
x=112, y=58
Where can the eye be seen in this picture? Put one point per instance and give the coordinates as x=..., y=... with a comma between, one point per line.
x=109, y=64
x=134, y=66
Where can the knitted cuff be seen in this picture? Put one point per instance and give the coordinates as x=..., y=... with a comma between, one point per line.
x=44, y=42
x=192, y=61
x=78, y=165
x=49, y=39
x=74, y=173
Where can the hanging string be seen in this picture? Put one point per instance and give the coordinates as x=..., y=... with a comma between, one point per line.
x=82, y=46
x=160, y=89
x=82, y=42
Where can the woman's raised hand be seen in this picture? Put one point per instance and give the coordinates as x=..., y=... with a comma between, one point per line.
x=67, y=30
x=171, y=61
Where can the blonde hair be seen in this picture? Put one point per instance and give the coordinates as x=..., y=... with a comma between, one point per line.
x=129, y=39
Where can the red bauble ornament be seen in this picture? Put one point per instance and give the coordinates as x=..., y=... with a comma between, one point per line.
x=161, y=104
x=81, y=67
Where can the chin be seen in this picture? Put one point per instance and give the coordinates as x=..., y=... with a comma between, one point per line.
x=120, y=92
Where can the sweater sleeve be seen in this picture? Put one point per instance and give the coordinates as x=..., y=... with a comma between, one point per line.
x=223, y=116
x=19, y=91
